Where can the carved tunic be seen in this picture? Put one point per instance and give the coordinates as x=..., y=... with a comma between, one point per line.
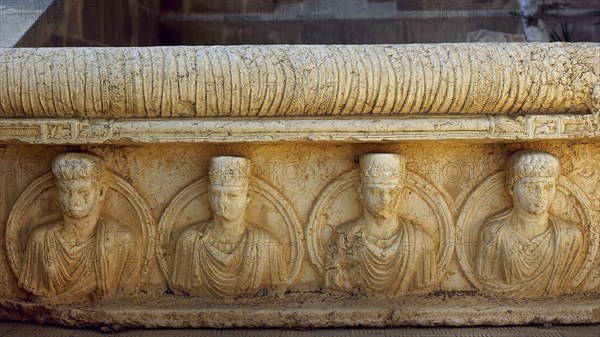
x=106, y=264
x=359, y=262
x=510, y=264
x=206, y=267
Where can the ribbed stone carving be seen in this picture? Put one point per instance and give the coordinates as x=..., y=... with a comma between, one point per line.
x=250, y=81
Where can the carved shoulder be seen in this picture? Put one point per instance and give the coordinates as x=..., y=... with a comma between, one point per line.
x=572, y=232
x=350, y=228
x=265, y=234
x=422, y=236
x=192, y=232
x=39, y=234
x=494, y=226
x=116, y=233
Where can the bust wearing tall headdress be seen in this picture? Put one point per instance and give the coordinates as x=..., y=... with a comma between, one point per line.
x=83, y=255
x=226, y=256
x=380, y=253
x=526, y=250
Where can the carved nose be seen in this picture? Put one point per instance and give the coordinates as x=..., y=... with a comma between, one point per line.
x=76, y=201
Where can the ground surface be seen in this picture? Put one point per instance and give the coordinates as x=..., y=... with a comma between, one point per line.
x=9, y=329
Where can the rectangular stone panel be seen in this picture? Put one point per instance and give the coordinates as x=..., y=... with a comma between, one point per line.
x=301, y=174
x=280, y=186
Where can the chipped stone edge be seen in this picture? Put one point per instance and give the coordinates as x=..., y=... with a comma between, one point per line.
x=299, y=314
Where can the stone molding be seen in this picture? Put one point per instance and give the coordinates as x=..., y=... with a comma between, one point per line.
x=196, y=130
x=272, y=81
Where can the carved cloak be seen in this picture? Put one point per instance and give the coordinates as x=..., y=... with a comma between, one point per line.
x=509, y=264
x=205, y=267
x=358, y=262
x=106, y=264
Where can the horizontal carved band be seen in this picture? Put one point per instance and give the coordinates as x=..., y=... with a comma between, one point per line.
x=310, y=312
x=268, y=81
x=74, y=131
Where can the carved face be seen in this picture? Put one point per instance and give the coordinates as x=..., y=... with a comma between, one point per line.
x=229, y=202
x=534, y=195
x=79, y=197
x=381, y=201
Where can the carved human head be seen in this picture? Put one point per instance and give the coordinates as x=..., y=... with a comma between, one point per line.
x=229, y=179
x=382, y=177
x=80, y=182
x=531, y=180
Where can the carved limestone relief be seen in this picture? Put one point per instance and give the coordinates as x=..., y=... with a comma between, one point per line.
x=382, y=231
x=230, y=235
x=527, y=232
x=79, y=233
x=228, y=81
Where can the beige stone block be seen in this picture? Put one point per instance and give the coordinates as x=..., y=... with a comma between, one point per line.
x=179, y=187
x=271, y=81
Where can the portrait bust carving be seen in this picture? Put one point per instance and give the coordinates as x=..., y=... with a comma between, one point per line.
x=226, y=256
x=526, y=250
x=380, y=253
x=83, y=255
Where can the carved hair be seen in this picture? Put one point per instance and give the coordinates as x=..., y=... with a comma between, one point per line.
x=530, y=163
x=70, y=166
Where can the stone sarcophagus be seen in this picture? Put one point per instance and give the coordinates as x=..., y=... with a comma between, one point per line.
x=313, y=186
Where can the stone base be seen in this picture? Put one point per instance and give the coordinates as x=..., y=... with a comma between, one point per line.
x=311, y=311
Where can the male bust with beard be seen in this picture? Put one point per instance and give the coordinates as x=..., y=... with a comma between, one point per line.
x=84, y=255
x=381, y=254
x=526, y=251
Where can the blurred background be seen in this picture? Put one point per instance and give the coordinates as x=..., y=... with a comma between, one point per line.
x=64, y=23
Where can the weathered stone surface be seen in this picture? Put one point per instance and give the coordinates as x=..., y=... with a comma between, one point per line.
x=227, y=130
x=419, y=191
x=269, y=81
x=311, y=312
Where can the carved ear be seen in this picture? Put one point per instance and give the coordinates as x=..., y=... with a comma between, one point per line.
x=359, y=188
x=103, y=190
x=509, y=188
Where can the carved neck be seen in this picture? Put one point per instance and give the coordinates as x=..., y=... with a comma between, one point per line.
x=229, y=230
x=381, y=228
x=530, y=225
x=80, y=230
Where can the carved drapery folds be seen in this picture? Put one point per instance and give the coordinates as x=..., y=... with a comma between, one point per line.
x=80, y=233
x=536, y=239
x=380, y=252
x=308, y=183
x=244, y=238
x=379, y=230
